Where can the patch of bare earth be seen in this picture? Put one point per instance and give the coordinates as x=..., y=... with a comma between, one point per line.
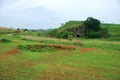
x=87, y=49
x=12, y=52
x=64, y=47
x=9, y=53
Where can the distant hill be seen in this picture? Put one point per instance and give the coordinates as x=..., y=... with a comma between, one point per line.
x=114, y=29
x=5, y=30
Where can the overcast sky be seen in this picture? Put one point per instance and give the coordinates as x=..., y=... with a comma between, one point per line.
x=44, y=14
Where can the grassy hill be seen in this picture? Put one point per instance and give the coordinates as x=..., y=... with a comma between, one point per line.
x=70, y=24
x=114, y=29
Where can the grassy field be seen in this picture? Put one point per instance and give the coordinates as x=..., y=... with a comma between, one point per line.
x=114, y=29
x=92, y=59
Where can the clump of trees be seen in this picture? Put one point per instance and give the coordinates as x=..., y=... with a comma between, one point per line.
x=92, y=28
x=65, y=34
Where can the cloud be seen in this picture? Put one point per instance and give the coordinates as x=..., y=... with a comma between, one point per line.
x=63, y=6
x=53, y=12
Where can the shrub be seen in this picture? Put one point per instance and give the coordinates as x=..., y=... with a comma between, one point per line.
x=105, y=33
x=92, y=34
x=70, y=38
x=53, y=33
x=66, y=34
x=21, y=47
x=5, y=40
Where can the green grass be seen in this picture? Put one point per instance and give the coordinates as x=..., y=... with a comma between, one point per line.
x=101, y=43
x=100, y=62
x=114, y=29
x=96, y=59
x=48, y=40
x=70, y=24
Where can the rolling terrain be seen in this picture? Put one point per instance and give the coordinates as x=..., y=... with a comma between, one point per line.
x=25, y=57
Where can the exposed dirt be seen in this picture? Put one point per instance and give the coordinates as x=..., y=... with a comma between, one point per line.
x=39, y=48
x=27, y=64
x=3, y=56
x=61, y=75
x=64, y=47
x=87, y=49
x=12, y=52
x=6, y=54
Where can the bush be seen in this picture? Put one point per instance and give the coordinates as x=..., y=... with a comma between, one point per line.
x=70, y=37
x=53, y=33
x=5, y=40
x=105, y=33
x=66, y=34
x=92, y=34
x=21, y=47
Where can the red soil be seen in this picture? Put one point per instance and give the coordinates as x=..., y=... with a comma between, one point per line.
x=87, y=49
x=6, y=54
x=64, y=47
x=27, y=64
x=12, y=52
x=57, y=47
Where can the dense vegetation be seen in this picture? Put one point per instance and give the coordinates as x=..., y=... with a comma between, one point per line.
x=92, y=28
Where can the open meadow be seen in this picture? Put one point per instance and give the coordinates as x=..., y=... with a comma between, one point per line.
x=59, y=39
x=24, y=57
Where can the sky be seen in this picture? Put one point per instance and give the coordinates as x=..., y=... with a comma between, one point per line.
x=46, y=14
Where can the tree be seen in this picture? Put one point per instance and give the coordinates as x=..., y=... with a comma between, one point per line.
x=25, y=30
x=92, y=28
x=53, y=33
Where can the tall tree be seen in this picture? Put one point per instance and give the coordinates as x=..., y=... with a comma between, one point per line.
x=92, y=27
x=92, y=24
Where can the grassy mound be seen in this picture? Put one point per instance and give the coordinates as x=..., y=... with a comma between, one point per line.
x=70, y=24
